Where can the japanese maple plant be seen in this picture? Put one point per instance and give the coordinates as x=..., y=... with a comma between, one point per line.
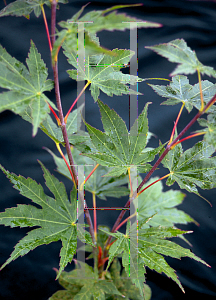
x=110, y=159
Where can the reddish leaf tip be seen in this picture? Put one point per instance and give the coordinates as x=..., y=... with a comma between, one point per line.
x=55, y=269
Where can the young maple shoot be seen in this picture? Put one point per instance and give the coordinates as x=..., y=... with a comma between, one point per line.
x=109, y=157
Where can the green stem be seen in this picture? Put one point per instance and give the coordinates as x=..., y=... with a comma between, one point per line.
x=129, y=176
x=95, y=215
x=95, y=254
x=200, y=87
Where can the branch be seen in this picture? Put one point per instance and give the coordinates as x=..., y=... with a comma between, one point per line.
x=63, y=125
x=168, y=148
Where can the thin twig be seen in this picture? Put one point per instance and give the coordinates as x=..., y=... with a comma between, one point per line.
x=87, y=84
x=46, y=26
x=188, y=137
x=176, y=122
x=140, y=192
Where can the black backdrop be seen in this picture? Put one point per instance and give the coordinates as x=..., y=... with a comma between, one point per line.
x=32, y=277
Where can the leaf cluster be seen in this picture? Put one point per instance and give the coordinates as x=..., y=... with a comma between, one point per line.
x=116, y=286
x=113, y=153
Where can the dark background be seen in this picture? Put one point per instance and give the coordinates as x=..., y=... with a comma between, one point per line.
x=31, y=276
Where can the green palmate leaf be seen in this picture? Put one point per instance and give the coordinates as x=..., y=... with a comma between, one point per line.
x=116, y=147
x=50, y=128
x=56, y=217
x=103, y=72
x=70, y=289
x=27, y=86
x=105, y=186
x=151, y=244
x=73, y=281
x=94, y=22
x=210, y=130
x=208, y=91
x=194, y=167
x=61, y=166
x=25, y=7
x=62, y=295
x=83, y=283
x=133, y=264
x=178, y=52
x=180, y=91
x=98, y=290
x=161, y=205
x=176, y=92
x=72, y=126
x=102, y=186
x=101, y=237
x=125, y=285
x=109, y=19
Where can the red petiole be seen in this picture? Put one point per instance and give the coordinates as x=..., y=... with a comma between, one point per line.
x=65, y=160
x=87, y=84
x=176, y=122
x=46, y=26
x=140, y=192
x=54, y=113
x=188, y=137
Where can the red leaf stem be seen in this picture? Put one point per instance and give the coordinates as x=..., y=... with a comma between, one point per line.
x=176, y=122
x=63, y=125
x=62, y=154
x=87, y=84
x=153, y=183
x=188, y=137
x=91, y=172
x=46, y=26
x=54, y=113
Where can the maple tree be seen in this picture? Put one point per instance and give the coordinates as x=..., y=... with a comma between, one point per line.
x=111, y=157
